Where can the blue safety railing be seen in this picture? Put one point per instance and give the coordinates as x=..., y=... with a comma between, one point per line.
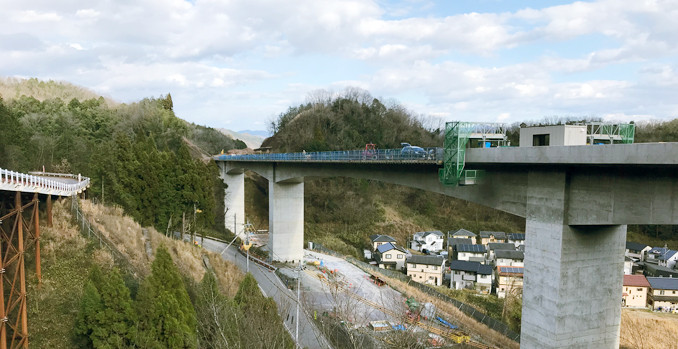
x=423, y=155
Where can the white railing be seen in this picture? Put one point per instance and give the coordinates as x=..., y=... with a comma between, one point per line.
x=32, y=183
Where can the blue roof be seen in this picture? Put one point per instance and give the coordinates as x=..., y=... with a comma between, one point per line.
x=515, y=270
x=661, y=283
x=517, y=236
x=471, y=248
x=387, y=247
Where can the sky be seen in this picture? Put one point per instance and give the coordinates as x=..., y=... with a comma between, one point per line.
x=239, y=64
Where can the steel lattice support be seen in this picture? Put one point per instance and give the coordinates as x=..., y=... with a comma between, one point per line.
x=17, y=235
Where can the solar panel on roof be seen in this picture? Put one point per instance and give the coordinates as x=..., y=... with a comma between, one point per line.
x=512, y=270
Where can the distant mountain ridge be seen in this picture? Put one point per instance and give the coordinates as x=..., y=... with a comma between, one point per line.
x=253, y=139
x=261, y=133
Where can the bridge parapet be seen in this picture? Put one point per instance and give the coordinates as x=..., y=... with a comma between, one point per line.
x=421, y=155
x=30, y=183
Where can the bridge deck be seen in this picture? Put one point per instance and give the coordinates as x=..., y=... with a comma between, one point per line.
x=43, y=183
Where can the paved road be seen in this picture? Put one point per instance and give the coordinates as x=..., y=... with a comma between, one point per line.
x=271, y=286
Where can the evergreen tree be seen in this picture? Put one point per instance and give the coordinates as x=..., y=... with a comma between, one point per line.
x=106, y=318
x=166, y=316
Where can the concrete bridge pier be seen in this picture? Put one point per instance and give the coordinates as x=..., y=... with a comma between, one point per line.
x=573, y=274
x=234, y=201
x=286, y=220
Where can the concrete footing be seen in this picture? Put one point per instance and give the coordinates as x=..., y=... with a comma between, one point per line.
x=573, y=274
x=286, y=221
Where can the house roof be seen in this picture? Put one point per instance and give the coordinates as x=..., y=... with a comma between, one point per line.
x=501, y=246
x=516, y=236
x=636, y=280
x=381, y=238
x=658, y=270
x=471, y=248
x=516, y=255
x=667, y=255
x=503, y=270
x=662, y=283
x=635, y=246
x=390, y=246
x=459, y=241
x=463, y=232
x=433, y=232
x=428, y=260
x=496, y=234
x=474, y=267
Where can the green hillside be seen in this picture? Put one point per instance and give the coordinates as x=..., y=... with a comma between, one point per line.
x=138, y=155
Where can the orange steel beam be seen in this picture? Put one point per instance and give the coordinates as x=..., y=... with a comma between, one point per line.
x=14, y=244
x=49, y=210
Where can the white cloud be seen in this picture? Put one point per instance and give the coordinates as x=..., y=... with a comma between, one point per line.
x=254, y=58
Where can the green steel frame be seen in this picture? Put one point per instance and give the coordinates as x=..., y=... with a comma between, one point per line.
x=457, y=135
x=622, y=133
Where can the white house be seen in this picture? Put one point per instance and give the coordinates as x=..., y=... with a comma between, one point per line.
x=493, y=247
x=669, y=259
x=472, y=253
x=471, y=275
x=427, y=240
x=517, y=239
x=637, y=250
x=509, y=258
x=662, y=256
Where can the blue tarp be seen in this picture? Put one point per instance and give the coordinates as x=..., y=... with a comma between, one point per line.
x=444, y=322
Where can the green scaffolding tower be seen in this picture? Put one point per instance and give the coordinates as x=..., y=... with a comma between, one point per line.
x=457, y=136
x=610, y=133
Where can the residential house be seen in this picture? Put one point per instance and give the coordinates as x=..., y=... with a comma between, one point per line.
x=637, y=250
x=669, y=259
x=492, y=236
x=509, y=258
x=462, y=234
x=509, y=281
x=378, y=240
x=662, y=256
x=431, y=241
x=657, y=270
x=471, y=275
x=517, y=239
x=390, y=256
x=635, y=291
x=426, y=269
x=663, y=293
x=492, y=247
x=472, y=253
x=453, y=242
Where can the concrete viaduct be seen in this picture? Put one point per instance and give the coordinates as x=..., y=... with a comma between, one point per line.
x=577, y=202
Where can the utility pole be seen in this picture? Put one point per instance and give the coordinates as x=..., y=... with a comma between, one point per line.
x=194, y=226
x=296, y=334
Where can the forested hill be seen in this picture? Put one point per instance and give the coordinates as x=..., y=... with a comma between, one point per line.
x=342, y=213
x=136, y=154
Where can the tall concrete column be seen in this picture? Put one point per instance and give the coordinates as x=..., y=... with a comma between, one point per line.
x=234, y=201
x=286, y=221
x=573, y=274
